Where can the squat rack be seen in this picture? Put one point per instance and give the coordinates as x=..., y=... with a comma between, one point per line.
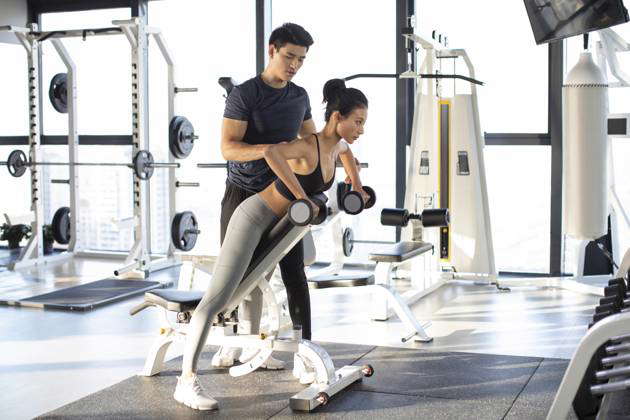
x=137, y=33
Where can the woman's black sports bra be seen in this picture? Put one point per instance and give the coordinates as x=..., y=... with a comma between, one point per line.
x=312, y=183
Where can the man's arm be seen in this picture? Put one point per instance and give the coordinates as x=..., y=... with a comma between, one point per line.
x=232, y=145
x=307, y=128
x=277, y=156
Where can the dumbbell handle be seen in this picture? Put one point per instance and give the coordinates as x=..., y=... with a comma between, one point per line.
x=610, y=387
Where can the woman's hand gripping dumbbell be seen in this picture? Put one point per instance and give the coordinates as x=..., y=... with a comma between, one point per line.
x=355, y=201
x=311, y=211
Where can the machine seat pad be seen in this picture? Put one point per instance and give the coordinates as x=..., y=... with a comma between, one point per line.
x=174, y=300
x=400, y=251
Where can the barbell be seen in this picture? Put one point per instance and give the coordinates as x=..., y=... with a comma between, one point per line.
x=143, y=164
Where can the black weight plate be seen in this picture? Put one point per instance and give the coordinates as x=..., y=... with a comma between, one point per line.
x=58, y=92
x=300, y=212
x=322, y=214
x=353, y=202
x=186, y=137
x=585, y=404
x=342, y=189
x=348, y=245
x=372, y=200
x=175, y=224
x=17, y=163
x=142, y=165
x=181, y=137
x=173, y=127
x=184, y=231
x=191, y=232
x=61, y=225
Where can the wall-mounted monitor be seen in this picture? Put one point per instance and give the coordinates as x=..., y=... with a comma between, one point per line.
x=557, y=19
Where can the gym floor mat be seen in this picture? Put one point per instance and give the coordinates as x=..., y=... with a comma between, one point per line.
x=88, y=296
x=407, y=383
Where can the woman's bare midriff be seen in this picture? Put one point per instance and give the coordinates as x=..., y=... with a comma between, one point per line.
x=279, y=203
x=276, y=201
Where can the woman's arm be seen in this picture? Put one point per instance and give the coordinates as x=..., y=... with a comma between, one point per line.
x=277, y=156
x=349, y=163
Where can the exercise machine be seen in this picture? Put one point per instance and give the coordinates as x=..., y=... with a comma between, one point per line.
x=278, y=241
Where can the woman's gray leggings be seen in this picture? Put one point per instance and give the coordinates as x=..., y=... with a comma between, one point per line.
x=251, y=219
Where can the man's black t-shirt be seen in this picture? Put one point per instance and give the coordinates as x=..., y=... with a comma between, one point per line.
x=273, y=116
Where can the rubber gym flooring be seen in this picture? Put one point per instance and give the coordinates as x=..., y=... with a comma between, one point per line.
x=407, y=384
x=54, y=358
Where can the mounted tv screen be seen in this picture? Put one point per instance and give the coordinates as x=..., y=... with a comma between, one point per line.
x=557, y=19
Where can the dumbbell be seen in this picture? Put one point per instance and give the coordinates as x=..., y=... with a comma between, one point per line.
x=587, y=399
x=614, y=300
x=428, y=217
x=301, y=212
x=351, y=201
x=585, y=404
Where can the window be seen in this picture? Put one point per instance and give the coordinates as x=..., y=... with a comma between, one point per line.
x=355, y=38
x=519, y=180
x=103, y=65
x=499, y=41
x=206, y=43
x=13, y=122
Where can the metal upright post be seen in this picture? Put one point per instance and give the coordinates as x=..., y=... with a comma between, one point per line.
x=33, y=252
x=263, y=30
x=404, y=89
x=556, y=76
x=73, y=140
x=172, y=180
x=134, y=30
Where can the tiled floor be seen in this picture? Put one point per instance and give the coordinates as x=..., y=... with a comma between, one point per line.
x=51, y=358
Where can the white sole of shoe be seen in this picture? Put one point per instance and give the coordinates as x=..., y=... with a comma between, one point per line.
x=196, y=407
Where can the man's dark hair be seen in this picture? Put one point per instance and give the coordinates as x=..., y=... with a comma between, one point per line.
x=290, y=33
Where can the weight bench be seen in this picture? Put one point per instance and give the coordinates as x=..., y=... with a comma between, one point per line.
x=279, y=240
x=387, y=259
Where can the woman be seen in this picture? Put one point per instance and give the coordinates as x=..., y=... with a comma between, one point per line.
x=304, y=167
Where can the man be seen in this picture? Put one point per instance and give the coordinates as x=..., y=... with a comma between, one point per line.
x=267, y=109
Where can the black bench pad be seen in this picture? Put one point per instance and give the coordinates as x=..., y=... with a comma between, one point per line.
x=400, y=251
x=174, y=300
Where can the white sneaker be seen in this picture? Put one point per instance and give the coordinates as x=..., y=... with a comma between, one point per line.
x=270, y=364
x=303, y=370
x=190, y=392
x=224, y=357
